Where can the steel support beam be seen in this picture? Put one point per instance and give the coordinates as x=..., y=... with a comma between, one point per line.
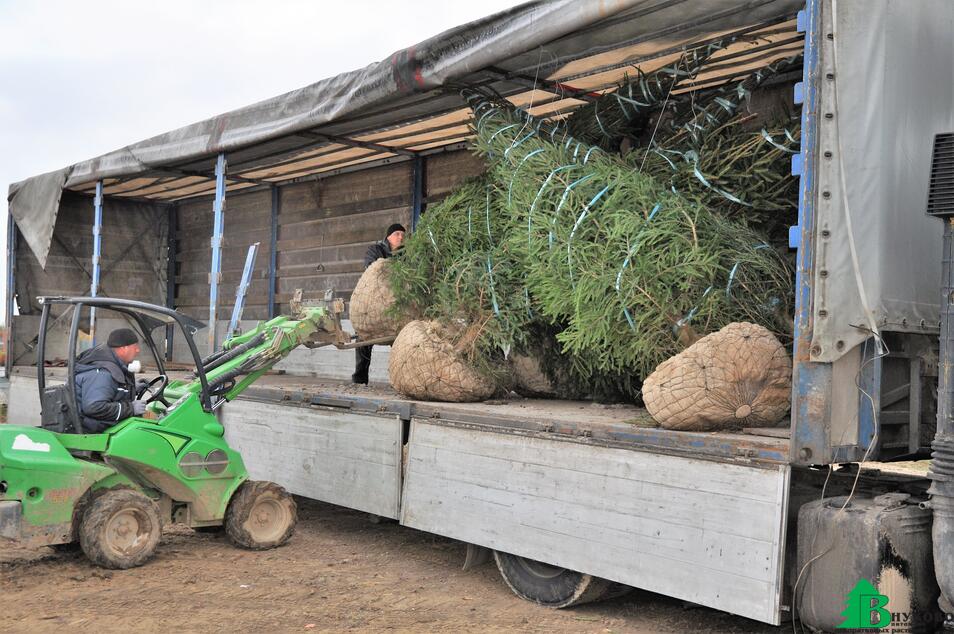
x=273, y=250
x=218, y=230
x=11, y=290
x=97, y=255
x=172, y=250
x=418, y=193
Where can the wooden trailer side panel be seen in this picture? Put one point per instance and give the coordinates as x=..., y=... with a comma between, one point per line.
x=352, y=460
x=707, y=532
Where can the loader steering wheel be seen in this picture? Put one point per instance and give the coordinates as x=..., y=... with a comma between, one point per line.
x=154, y=390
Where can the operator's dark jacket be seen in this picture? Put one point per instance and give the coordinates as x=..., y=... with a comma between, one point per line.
x=105, y=389
x=378, y=250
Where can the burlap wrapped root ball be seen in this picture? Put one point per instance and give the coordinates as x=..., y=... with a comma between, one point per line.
x=371, y=301
x=529, y=377
x=740, y=376
x=425, y=365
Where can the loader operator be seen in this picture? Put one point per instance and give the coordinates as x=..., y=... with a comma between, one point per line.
x=393, y=239
x=106, y=385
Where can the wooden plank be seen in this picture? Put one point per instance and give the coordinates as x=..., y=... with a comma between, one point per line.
x=352, y=460
x=662, y=523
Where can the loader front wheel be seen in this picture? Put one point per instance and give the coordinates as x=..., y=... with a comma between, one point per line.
x=261, y=515
x=550, y=586
x=120, y=529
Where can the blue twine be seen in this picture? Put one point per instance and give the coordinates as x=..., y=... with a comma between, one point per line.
x=588, y=152
x=728, y=287
x=517, y=169
x=566, y=192
x=537, y=197
x=576, y=225
x=493, y=293
x=768, y=137
x=508, y=150
x=492, y=136
x=630, y=254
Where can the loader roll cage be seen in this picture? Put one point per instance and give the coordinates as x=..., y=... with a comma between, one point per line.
x=147, y=318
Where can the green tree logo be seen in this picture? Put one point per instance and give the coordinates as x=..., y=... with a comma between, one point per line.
x=864, y=608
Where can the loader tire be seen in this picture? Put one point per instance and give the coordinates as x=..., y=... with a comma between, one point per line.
x=261, y=515
x=120, y=529
x=550, y=586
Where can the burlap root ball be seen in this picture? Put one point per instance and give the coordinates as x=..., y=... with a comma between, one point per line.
x=424, y=365
x=738, y=377
x=370, y=301
x=529, y=377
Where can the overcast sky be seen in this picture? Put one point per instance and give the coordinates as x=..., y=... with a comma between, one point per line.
x=81, y=78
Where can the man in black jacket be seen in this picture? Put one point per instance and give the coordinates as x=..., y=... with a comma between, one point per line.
x=393, y=239
x=105, y=385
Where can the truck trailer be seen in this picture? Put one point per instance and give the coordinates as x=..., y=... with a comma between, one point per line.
x=573, y=500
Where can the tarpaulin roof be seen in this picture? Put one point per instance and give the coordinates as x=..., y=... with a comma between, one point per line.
x=549, y=56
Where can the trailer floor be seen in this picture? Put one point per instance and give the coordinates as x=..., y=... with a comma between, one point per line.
x=339, y=572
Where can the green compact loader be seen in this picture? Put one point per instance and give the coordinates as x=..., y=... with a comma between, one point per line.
x=111, y=492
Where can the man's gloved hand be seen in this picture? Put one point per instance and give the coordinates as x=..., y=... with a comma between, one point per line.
x=139, y=408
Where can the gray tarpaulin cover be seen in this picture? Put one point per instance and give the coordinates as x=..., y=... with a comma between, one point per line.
x=428, y=65
x=893, y=90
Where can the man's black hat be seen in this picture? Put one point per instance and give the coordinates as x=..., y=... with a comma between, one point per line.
x=395, y=227
x=121, y=337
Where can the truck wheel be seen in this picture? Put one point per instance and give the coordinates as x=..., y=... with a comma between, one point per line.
x=120, y=529
x=551, y=586
x=261, y=515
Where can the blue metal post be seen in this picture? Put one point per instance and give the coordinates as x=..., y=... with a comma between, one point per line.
x=242, y=290
x=172, y=250
x=417, y=194
x=811, y=382
x=11, y=288
x=218, y=228
x=273, y=250
x=97, y=252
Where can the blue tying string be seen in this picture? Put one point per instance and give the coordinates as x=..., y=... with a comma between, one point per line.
x=537, y=197
x=588, y=152
x=507, y=152
x=493, y=293
x=566, y=192
x=431, y=234
x=576, y=225
x=480, y=121
x=692, y=312
x=470, y=210
x=596, y=113
x=517, y=169
x=768, y=137
x=489, y=237
x=576, y=151
x=728, y=287
x=503, y=129
x=630, y=254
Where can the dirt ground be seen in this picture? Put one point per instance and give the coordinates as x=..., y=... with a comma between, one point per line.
x=340, y=572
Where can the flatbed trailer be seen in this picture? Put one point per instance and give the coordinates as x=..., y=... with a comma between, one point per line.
x=561, y=488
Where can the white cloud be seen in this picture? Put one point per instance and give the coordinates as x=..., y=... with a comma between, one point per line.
x=78, y=79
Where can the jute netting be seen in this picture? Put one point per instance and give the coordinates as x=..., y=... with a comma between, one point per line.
x=740, y=376
x=372, y=301
x=426, y=365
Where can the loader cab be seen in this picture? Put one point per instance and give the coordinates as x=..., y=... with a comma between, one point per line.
x=60, y=411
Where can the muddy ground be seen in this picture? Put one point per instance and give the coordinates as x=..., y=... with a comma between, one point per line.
x=340, y=572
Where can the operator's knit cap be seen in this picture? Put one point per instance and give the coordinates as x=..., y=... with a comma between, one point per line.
x=395, y=227
x=121, y=337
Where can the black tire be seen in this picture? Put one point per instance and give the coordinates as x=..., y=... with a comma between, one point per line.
x=261, y=515
x=550, y=586
x=120, y=529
